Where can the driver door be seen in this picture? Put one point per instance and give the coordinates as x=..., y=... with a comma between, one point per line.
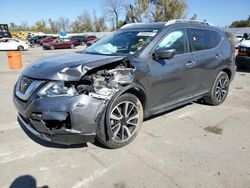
x=172, y=79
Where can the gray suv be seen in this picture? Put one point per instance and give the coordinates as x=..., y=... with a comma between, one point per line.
x=105, y=92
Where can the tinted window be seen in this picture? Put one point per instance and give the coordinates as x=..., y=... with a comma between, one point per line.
x=174, y=40
x=216, y=38
x=200, y=39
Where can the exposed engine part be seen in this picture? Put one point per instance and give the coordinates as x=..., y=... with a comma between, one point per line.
x=103, y=84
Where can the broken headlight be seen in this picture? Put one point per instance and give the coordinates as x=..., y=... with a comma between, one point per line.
x=54, y=89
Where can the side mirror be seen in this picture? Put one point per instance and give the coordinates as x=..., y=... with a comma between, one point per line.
x=163, y=53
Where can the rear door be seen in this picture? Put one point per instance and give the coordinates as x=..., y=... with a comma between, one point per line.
x=207, y=57
x=172, y=79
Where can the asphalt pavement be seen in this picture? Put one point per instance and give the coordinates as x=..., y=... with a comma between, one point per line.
x=193, y=146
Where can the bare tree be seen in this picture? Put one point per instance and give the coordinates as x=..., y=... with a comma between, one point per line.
x=114, y=9
x=64, y=23
x=99, y=24
x=83, y=23
x=54, y=26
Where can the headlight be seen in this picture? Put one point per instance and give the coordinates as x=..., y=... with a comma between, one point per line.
x=54, y=89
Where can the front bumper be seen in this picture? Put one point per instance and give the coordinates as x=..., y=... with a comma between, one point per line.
x=63, y=120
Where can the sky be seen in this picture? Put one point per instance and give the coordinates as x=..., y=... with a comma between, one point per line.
x=219, y=12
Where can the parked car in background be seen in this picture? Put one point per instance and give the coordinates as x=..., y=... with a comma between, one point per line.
x=243, y=56
x=107, y=90
x=80, y=39
x=46, y=40
x=33, y=39
x=13, y=44
x=60, y=44
x=91, y=40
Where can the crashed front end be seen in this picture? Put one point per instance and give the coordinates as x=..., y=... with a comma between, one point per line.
x=68, y=110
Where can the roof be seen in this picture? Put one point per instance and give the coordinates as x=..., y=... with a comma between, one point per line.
x=160, y=25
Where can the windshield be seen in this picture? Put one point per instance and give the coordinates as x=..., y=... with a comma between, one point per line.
x=122, y=42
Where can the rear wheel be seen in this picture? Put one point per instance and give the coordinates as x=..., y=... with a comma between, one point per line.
x=72, y=46
x=20, y=48
x=219, y=90
x=124, y=120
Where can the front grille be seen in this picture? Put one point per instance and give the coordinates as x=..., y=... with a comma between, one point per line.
x=26, y=87
x=25, y=82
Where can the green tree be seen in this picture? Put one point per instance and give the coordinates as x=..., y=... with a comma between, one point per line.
x=241, y=23
x=157, y=10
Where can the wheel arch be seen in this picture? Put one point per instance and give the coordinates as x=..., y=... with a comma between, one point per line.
x=228, y=71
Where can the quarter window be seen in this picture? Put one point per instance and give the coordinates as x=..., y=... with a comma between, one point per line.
x=200, y=39
x=174, y=40
x=216, y=38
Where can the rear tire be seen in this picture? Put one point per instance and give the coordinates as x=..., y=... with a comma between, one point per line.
x=124, y=119
x=20, y=48
x=219, y=90
x=72, y=46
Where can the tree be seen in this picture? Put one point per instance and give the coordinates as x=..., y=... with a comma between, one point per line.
x=83, y=23
x=64, y=23
x=40, y=26
x=99, y=24
x=114, y=9
x=158, y=10
x=241, y=23
x=13, y=27
x=54, y=26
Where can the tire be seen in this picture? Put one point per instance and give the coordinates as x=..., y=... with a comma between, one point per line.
x=219, y=90
x=20, y=48
x=52, y=47
x=72, y=46
x=124, y=130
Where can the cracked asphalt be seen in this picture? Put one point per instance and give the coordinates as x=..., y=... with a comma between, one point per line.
x=193, y=146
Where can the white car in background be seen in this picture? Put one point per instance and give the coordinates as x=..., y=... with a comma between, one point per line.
x=13, y=44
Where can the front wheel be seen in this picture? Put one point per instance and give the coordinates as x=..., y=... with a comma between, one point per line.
x=124, y=120
x=219, y=90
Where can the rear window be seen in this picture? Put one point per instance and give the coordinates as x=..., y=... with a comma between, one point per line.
x=200, y=39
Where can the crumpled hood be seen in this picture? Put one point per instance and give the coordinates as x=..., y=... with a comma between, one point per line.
x=245, y=43
x=68, y=67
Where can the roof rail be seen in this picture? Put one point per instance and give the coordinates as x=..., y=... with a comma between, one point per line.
x=185, y=21
x=131, y=24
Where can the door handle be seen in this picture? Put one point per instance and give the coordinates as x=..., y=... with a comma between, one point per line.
x=190, y=64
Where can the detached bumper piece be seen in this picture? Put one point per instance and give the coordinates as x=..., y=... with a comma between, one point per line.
x=54, y=131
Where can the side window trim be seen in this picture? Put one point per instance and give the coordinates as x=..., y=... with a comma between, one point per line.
x=187, y=43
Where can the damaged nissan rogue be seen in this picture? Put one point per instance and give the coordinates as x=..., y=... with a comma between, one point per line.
x=105, y=92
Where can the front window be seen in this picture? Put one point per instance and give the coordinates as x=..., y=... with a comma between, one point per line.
x=175, y=40
x=123, y=42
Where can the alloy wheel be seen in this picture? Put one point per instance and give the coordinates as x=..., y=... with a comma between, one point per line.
x=124, y=120
x=221, y=89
